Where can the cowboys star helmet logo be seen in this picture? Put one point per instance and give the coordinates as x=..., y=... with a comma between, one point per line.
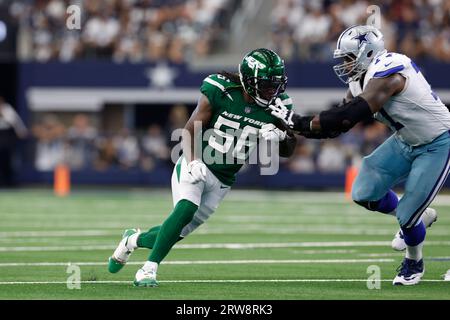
x=361, y=38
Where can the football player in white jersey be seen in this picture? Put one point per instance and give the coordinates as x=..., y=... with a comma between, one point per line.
x=390, y=88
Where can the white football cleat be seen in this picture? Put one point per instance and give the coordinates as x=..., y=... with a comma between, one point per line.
x=410, y=272
x=146, y=277
x=447, y=275
x=429, y=216
x=123, y=251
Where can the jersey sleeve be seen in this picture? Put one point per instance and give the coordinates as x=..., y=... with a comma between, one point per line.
x=389, y=64
x=286, y=100
x=214, y=88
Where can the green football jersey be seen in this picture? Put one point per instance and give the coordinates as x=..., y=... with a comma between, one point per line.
x=233, y=131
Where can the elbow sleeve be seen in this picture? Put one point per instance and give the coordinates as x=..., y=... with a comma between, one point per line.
x=343, y=118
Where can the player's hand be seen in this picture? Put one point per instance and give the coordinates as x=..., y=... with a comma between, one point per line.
x=197, y=170
x=279, y=110
x=270, y=132
x=289, y=118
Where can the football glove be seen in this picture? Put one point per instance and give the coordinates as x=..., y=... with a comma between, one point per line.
x=197, y=171
x=270, y=132
x=280, y=111
x=289, y=118
x=302, y=125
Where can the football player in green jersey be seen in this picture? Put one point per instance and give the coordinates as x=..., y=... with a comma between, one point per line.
x=231, y=115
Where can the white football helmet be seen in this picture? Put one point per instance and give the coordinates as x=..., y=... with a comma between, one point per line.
x=357, y=46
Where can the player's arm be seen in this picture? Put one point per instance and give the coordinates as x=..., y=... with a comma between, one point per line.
x=287, y=146
x=199, y=118
x=343, y=118
x=348, y=96
x=376, y=94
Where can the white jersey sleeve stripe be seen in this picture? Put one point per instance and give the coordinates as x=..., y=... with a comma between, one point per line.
x=218, y=85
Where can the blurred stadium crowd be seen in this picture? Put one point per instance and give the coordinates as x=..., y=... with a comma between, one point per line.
x=133, y=30
x=307, y=30
x=149, y=30
x=82, y=146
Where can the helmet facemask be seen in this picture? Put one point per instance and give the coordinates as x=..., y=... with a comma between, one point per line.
x=350, y=69
x=264, y=90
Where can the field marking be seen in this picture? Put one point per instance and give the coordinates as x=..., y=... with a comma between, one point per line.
x=11, y=236
x=61, y=233
x=141, y=197
x=188, y=262
x=200, y=262
x=205, y=281
x=325, y=244
x=385, y=254
x=307, y=197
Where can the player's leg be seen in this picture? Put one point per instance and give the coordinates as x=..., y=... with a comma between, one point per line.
x=429, y=171
x=213, y=194
x=381, y=170
x=385, y=167
x=210, y=201
x=428, y=217
x=133, y=238
x=123, y=251
x=147, y=239
x=186, y=197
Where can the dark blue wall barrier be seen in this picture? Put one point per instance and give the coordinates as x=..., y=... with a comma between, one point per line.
x=107, y=74
x=161, y=177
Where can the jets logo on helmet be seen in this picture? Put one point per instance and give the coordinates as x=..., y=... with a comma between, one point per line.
x=357, y=46
x=262, y=76
x=253, y=63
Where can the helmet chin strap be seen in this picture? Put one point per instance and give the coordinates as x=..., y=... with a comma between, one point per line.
x=258, y=100
x=261, y=102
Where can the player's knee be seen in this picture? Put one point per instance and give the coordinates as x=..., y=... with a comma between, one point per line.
x=362, y=192
x=186, y=205
x=186, y=210
x=403, y=221
x=369, y=205
x=359, y=193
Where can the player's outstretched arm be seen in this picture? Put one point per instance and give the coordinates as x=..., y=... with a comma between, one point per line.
x=376, y=94
x=330, y=123
x=287, y=146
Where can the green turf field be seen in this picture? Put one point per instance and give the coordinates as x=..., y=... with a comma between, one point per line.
x=258, y=245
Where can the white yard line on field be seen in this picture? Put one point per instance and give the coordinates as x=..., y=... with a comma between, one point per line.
x=141, y=197
x=61, y=233
x=28, y=236
x=186, y=262
x=226, y=246
x=205, y=281
x=306, y=197
x=387, y=254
